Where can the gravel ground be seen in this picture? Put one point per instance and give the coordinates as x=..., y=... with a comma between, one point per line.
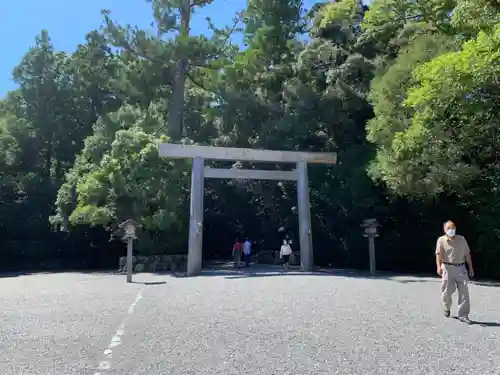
x=248, y=322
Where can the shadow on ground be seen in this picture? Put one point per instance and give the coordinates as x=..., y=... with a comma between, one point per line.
x=482, y=324
x=55, y=272
x=259, y=270
x=14, y=274
x=486, y=324
x=149, y=282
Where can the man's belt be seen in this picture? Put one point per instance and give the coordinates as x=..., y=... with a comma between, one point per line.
x=454, y=264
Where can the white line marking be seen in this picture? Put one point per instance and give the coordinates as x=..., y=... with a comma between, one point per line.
x=117, y=338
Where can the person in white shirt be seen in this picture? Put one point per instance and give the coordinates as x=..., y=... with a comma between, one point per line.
x=285, y=253
x=247, y=251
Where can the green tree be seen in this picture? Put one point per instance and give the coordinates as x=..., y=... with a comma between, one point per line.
x=407, y=90
x=436, y=133
x=175, y=58
x=390, y=25
x=388, y=96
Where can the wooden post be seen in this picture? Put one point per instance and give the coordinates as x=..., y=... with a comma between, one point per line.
x=306, y=249
x=371, y=250
x=370, y=226
x=195, y=254
x=130, y=246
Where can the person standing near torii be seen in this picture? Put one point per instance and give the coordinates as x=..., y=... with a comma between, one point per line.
x=247, y=251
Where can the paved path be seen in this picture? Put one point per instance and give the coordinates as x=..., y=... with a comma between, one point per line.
x=241, y=323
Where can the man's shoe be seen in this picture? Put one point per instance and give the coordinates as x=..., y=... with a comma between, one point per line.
x=465, y=319
x=447, y=313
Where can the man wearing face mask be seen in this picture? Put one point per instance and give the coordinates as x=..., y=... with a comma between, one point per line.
x=452, y=252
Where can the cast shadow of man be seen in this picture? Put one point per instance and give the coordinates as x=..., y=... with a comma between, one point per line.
x=482, y=324
x=486, y=324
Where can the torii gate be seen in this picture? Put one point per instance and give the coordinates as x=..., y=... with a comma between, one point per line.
x=200, y=172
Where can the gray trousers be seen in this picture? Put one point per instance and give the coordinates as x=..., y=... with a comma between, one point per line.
x=455, y=278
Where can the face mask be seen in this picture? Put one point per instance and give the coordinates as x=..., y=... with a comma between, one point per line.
x=450, y=232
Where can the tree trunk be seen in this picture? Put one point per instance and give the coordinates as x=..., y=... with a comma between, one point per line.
x=48, y=157
x=176, y=105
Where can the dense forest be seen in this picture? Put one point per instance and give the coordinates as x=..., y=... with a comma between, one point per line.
x=406, y=92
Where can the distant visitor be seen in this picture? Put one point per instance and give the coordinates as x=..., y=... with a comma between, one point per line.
x=237, y=251
x=247, y=252
x=285, y=253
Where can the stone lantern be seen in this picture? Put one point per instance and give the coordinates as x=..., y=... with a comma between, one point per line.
x=130, y=228
x=371, y=231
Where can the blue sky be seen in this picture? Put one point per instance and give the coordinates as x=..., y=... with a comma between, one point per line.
x=67, y=24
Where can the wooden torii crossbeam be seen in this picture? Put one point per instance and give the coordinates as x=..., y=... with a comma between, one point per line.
x=200, y=172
